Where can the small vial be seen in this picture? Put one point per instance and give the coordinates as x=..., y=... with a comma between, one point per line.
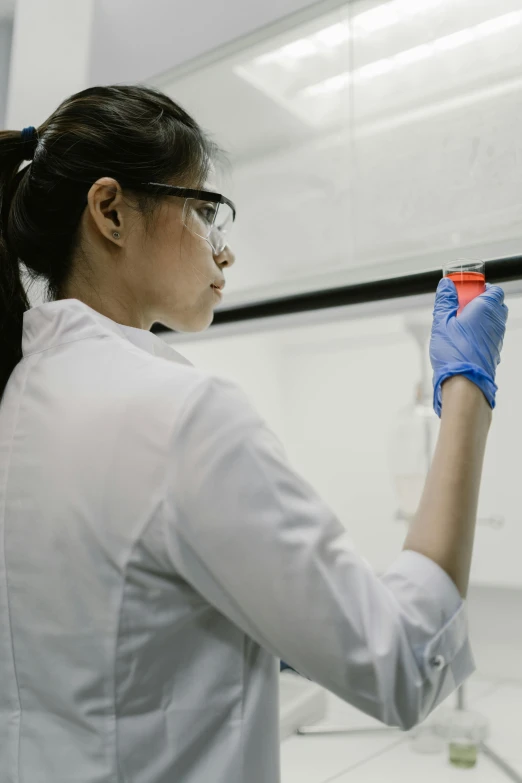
x=463, y=753
x=469, y=278
x=463, y=731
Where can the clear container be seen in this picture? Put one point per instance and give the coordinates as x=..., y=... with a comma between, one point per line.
x=463, y=732
x=425, y=738
x=411, y=448
x=469, y=278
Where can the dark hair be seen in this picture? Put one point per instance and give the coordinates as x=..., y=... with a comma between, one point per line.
x=131, y=133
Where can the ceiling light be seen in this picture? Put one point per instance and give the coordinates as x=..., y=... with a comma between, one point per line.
x=455, y=40
x=297, y=50
x=417, y=53
x=333, y=36
x=411, y=7
x=414, y=55
x=374, y=69
x=337, y=34
x=497, y=25
x=390, y=13
x=376, y=19
x=335, y=84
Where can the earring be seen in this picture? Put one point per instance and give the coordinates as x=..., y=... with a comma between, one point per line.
x=115, y=234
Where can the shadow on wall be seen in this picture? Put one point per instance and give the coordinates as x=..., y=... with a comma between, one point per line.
x=6, y=34
x=495, y=624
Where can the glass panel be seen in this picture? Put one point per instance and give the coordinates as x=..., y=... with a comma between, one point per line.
x=374, y=140
x=436, y=132
x=289, y=157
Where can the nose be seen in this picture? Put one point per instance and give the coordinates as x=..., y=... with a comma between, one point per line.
x=226, y=258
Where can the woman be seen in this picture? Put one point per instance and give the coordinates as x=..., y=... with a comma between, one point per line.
x=159, y=553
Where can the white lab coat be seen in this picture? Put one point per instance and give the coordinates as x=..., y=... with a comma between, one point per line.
x=158, y=555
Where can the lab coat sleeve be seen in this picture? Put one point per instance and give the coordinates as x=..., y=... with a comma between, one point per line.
x=258, y=543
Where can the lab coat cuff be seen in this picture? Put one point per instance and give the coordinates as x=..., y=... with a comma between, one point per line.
x=430, y=578
x=447, y=612
x=450, y=649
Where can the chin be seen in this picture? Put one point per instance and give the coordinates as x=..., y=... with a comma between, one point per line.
x=198, y=318
x=197, y=327
x=198, y=323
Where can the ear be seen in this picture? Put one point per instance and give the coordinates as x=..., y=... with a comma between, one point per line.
x=107, y=209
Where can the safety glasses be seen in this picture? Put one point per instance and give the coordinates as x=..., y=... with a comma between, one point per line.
x=206, y=214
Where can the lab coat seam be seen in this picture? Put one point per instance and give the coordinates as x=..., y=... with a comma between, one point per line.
x=121, y=776
x=451, y=635
x=238, y=609
x=422, y=651
x=67, y=342
x=7, y=583
x=115, y=657
x=422, y=585
x=432, y=580
x=229, y=593
x=417, y=650
x=241, y=731
x=182, y=415
x=192, y=398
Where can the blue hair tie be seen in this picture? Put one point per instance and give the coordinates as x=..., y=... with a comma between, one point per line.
x=29, y=138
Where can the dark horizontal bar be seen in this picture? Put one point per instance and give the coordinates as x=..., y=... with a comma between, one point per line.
x=497, y=271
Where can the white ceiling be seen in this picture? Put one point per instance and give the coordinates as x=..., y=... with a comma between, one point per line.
x=7, y=9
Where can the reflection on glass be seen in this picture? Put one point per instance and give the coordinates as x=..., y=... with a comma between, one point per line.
x=412, y=448
x=380, y=139
x=469, y=278
x=415, y=434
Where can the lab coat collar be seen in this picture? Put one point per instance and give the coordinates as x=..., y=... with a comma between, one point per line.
x=54, y=323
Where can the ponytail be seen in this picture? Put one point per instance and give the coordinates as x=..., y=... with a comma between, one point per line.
x=13, y=297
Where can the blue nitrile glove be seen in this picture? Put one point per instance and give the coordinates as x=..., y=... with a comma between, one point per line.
x=469, y=345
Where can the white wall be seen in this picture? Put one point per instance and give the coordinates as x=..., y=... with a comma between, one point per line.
x=135, y=41
x=6, y=29
x=253, y=362
x=50, y=57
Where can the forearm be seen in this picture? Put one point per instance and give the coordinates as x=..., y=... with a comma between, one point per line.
x=444, y=526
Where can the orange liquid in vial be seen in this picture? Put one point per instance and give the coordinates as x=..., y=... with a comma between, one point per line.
x=469, y=285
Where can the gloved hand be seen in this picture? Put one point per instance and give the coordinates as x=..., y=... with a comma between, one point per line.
x=469, y=345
